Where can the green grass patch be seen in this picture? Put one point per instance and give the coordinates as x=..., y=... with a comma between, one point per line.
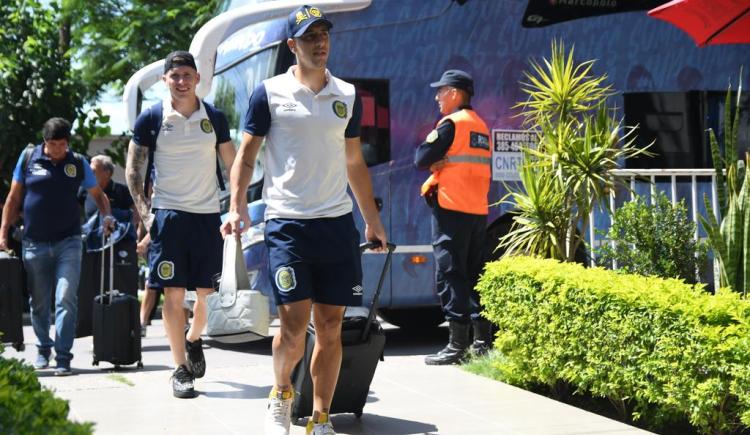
x=120, y=378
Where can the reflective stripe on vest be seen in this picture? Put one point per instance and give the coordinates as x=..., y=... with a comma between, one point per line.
x=469, y=159
x=464, y=182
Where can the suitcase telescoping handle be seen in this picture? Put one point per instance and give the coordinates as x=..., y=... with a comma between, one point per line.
x=111, y=270
x=371, y=315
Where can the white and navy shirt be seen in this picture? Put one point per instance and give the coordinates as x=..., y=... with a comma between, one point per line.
x=305, y=153
x=184, y=176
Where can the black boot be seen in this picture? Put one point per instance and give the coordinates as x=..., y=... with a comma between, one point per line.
x=482, y=337
x=454, y=352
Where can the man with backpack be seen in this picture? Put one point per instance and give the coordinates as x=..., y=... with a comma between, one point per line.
x=179, y=141
x=45, y=186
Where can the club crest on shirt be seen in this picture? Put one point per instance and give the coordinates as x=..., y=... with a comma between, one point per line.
x=70, y=170
x=432, y=137
x=285, y=279
x=166, y=127
x=165, y=269
x=206, y=126
x=339, y=108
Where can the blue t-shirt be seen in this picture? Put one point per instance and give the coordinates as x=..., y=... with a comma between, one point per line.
x=50, y=205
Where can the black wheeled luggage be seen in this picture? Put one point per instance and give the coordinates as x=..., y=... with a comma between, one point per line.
x=117, y=331
x=11, y=300
x=125, y=271
x=363, y=341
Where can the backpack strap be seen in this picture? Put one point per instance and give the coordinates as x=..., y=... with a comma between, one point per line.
x=27, y=152
x=213, y=117
x=79, y=159
x=155, y=118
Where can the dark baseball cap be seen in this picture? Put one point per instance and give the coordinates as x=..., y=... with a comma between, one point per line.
x=302, y=18
x=179, y=58
x=457, y=79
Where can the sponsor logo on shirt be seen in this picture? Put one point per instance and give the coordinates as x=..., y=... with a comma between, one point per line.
x=339, y=108
x=38, y=170
x=289, y=107
x=285, y=279
x=357, y=290
x=206, y=126
x=70, y=170
x=167, y=127
x=165, y=270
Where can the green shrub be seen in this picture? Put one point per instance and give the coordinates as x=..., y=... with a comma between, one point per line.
x=659, y=349
x=27, y=408
x=653, y=239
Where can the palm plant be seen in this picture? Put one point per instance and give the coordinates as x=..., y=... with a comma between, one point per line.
x=579, y=140
x=730, y=239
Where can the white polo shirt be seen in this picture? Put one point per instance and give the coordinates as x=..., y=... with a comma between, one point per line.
x=305, y=153
x=185, y=163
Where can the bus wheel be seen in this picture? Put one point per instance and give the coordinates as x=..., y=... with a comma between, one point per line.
x=413, y=318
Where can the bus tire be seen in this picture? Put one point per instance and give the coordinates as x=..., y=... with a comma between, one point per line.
x=413, y=318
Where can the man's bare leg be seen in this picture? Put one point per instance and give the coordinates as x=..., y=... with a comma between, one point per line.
x=174, y=323
x=289, y=343
x=326, y=357
x=147, y=304
x=200, y=314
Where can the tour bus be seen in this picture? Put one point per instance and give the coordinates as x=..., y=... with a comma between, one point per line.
x=392, y=49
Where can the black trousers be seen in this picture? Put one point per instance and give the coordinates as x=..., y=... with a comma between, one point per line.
x=458, y=244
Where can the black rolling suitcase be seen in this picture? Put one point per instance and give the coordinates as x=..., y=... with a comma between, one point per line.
x=11, y=300
x=117, y=331
x=125, y=280
x=363, y=341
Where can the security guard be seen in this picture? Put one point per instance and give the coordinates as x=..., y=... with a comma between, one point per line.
x=458, y=154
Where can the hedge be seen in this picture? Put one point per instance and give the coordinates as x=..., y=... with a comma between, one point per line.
x=661, y=349
x=27, y=408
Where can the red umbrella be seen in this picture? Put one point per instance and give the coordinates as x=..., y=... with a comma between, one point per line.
x=709, y=21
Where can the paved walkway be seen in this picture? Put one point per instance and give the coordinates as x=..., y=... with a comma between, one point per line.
x=406, y=396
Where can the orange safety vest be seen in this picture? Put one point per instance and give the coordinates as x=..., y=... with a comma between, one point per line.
x=464, y=182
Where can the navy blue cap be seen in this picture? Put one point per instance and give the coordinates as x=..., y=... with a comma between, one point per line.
x=179, y=58
x=302, y=18
x=457, y=79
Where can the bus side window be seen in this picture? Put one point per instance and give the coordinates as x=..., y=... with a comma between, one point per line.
x=375, y=128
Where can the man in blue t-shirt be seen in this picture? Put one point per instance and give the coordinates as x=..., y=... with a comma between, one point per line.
x=45, y=185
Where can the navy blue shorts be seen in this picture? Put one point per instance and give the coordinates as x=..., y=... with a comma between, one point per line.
x=185, y=251
x=316, y=259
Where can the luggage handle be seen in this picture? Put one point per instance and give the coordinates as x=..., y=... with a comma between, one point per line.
x=371, y=315
x=111, y=269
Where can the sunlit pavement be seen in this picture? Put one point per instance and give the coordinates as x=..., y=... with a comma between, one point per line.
x=406, y=396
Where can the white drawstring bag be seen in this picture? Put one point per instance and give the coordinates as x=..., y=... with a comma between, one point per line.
x=236, y=314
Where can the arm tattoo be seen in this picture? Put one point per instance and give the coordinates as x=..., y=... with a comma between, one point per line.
x=135, y=173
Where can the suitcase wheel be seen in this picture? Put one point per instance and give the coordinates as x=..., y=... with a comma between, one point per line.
x=95, y=362
x=140, y=365
x=117, y=366
x=358, y=414
x=19, y=347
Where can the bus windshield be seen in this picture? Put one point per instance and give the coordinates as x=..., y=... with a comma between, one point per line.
x=230, y=92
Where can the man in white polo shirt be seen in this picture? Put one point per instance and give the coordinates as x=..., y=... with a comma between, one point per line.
x=178, y=141
x=311, y=122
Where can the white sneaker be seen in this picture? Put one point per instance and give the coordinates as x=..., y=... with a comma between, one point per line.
x=279, y=412
x=322, y=429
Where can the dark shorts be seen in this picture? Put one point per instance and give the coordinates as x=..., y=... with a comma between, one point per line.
x=316, y=259
x=185, y=251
